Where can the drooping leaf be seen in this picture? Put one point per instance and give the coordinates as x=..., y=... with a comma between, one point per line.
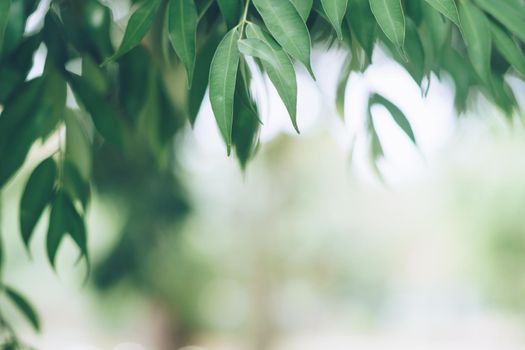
x=478, y=38
x=511, y=13
x=447, y=7
x=341, y=86
x=508, y=48
x=230, y=10
x=57, y=228
x=335, y=10
x=182, y=26
x=37, y=195
x=104, y=115
x=246, y=124
x=304, y=7
x=138, y=25
x=276, y=63
x=390, y=17
x=287, y=27
x=361, y=20
x=201, y=76
x=398, y=116
x=78, y=143
x=74, y=184
x=24, y=307
x=223, y=75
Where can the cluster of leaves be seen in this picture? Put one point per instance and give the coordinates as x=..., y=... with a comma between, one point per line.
x=134, y=98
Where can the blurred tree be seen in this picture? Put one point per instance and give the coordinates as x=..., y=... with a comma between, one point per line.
x=121, y=111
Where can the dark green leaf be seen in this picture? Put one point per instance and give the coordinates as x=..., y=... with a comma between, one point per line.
x=24, y=307
x=362, y=22
x=37, y=195
x=508, y=48
x=447, y=7
x=5, y=5
x=511, y=13
x=230, y=10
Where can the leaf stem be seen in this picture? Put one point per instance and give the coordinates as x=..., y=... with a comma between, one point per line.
x=244, y=16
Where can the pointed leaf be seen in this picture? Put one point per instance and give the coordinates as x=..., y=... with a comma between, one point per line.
x=57, y=228
x=447, y=8
x=37, y=195
x=476, y=32
x=390, y=17
x=508, y=48
x=223, y=75
x=398, y=116
x=138, y=25
x=277, y=64
x=182, y=26
x=304, y=7
x=361, y=20
x=287, y=27
x=510, y=13
x=335, y=10
x=24, y=307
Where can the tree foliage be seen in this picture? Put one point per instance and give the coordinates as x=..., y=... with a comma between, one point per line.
x=129, y=89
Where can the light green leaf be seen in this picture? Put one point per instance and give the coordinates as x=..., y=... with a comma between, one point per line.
x=24, y=307
x=230, y=10
x=390, y=17
x=304, y=7
x=508, y=48
x=276, y=63
x=287, y=27
x=341, y=86
x=398, y=116
x=335, y=10
x=509, y=12
x=182, y=26
x=37, y=194
x=478, y=38
x=223, y=75
x=5, y=5
x=137, y=27
x=447, y=7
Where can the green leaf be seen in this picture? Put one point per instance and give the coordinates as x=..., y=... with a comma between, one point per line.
x=37, y=195
x=223, y=75
x=304, y=7
x=276, y=63
x=508, y=48
x=57, y=228
x=478, y=38
x=78, y=144
x=414, y=52
x=137, y=27
x=24, y=307
x=104, y=115
x=389, y=15
x=5, y=5
x=511, y=13
x=246, y=124
x=288, y=28
x=182, y=26
x=341, y=86
x=64, y=219
x=361, y=20
x=230, y=10
x=74, y=184
x=447, y=7
x=398, y=116
x=335, y=10
x=201, y=76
